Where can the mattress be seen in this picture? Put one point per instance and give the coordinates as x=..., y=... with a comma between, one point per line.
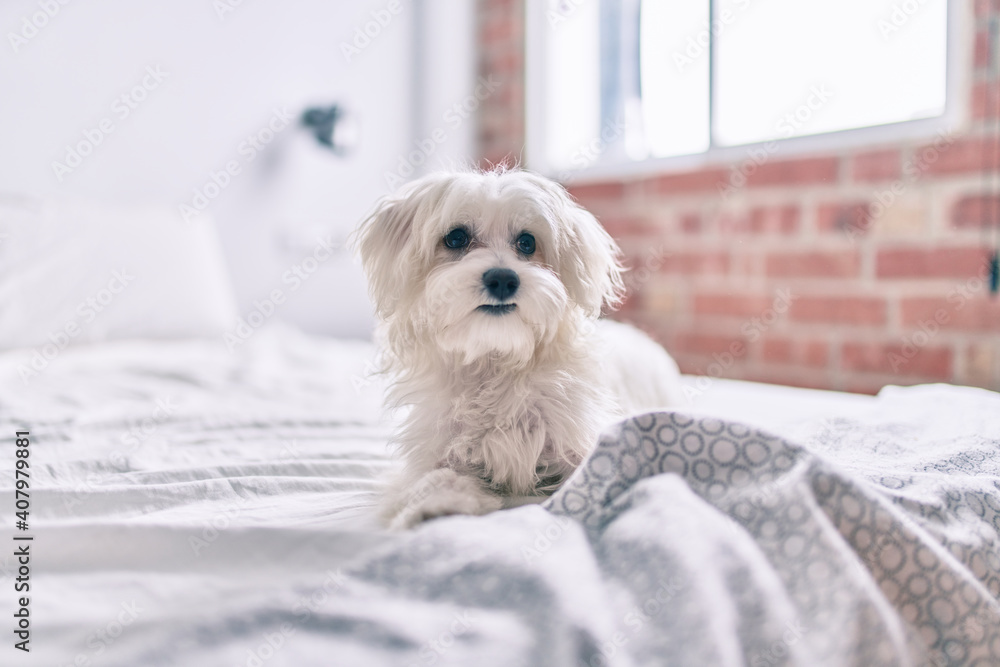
x=192, y=505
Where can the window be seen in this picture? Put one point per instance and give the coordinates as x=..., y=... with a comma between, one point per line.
x=614, y=82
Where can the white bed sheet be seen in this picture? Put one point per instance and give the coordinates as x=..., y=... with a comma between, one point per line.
x=175, y=485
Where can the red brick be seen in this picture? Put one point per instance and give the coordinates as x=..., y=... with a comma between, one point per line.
x=814, y=353
x=981, y=49
x=506, y=11
x=796, y=172
x=706, y=344
x=777, y=350
x=497, y=31
x=897, y=358
x=624, y=225
x=963, y=309
x=842, y=217
x=986, y=104
x=881, y=165
x=498, y=6
x=688, y=181
x=691, y=223
x=813, y=264
x=733, y=223
x=733, y=305
x=606, y=190
x=958, y=156
x=981, y=368
x=972, y=211
x=985, y=7
x=629, y=304
x=506, y=66
x=511, y=95
x=760, y=220
x=774, y=219
x=930, y=263
x=839, y=309
x=696, y=263
x=802, y=353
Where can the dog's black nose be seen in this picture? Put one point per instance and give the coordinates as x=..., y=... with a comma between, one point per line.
x=501, y=283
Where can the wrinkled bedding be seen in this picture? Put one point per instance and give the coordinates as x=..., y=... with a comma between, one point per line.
x=192, y=506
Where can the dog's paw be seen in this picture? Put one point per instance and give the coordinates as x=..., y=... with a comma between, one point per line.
x=444, y=492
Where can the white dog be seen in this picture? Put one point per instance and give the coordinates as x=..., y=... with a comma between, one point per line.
x=488, y=287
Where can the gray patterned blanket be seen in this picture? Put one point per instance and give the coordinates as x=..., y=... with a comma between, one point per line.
x=687, y=541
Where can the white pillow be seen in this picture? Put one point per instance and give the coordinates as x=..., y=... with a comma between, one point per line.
x=81, y=273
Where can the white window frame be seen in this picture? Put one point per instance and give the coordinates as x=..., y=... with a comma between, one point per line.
x=611, y=165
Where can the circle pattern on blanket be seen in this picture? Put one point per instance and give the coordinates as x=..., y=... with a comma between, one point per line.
x=815, y=524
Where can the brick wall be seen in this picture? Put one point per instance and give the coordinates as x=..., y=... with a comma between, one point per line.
x=501, y=55
x=846, y=270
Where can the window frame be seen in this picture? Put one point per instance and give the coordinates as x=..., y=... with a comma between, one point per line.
x=612, y=165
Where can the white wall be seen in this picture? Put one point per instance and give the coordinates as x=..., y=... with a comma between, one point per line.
x=445, y=69
x=225, y=74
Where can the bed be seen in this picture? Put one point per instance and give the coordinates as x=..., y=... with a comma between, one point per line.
x=195, y=502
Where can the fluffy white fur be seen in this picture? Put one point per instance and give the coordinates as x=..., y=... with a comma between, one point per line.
x=501, y=405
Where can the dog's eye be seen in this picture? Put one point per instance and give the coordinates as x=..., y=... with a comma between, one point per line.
x=457, y=238
x=526, y=243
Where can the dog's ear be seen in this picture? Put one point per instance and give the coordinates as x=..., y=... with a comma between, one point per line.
x=383, y=241
x=589, y=263
x=380, y=241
